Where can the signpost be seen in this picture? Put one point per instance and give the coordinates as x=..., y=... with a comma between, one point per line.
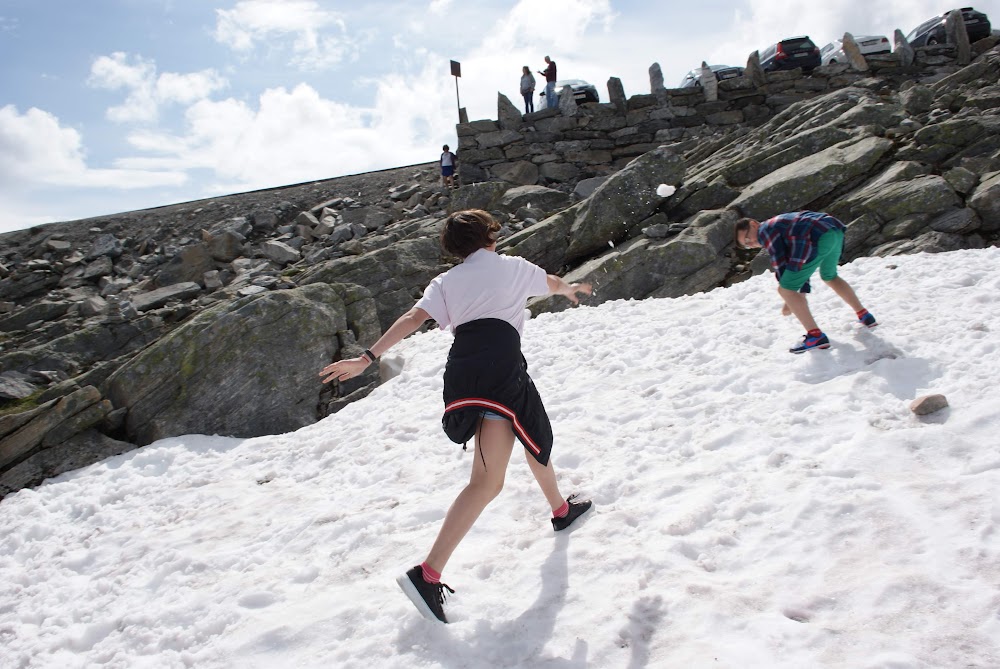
x=456, y=71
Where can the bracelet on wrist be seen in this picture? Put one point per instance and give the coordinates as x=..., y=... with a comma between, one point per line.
x=371, y=356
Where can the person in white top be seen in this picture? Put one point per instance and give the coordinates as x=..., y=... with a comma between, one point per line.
x=483, y=301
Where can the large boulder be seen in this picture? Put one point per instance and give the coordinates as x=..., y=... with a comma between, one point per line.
x=929, y=194
x=794, y=186
x=690, y=262
x=622, y=202
x=243, y=368
x=395, y=275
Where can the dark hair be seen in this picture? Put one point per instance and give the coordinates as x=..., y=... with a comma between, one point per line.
x=742, y=225
x=467, y=231
x=444, y=148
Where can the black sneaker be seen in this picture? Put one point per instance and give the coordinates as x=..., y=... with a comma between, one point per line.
x=576, y=509
x=427, y=597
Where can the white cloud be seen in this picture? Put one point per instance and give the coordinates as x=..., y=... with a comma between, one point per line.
x=38, y=151
x=303, y=23
x=439, y=7
x=147, y=91
x=296, y=135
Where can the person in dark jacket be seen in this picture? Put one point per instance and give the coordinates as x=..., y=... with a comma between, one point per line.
x=798, y=244
x=489, y=397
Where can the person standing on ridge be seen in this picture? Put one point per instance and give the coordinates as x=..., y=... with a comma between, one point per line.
x=551, y=100
x=528, y=89
x=448, y=162
x=799, y=243
x=488, y=394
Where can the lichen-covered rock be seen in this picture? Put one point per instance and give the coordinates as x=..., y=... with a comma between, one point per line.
x=927, y=194
x=794, y=186
x=243, y=368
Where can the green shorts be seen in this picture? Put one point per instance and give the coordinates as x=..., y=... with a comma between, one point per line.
x=828, y=249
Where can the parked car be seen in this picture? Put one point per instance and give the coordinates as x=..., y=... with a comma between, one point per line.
x=582, y=91
x=789, y=54
x=869, y=44
x=977, y=25
x=722, y=72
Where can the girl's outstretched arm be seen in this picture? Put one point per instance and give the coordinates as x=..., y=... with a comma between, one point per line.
x=405, y=325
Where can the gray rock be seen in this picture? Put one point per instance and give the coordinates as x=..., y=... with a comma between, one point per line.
x=307, y=219
x=567, y=102
x=15, y=386
x=928, y=195
x=521, y=172
x=93, y=306
x=40, y=311
x=656, y=86
x=586, y=187
x=508, y=116
x=243, y=368
x=225, y=246
x=794, y=186
x=24, y=441
x=616, y=94
x=928, y=404
x=190, y=264
x=105, y=245
x=485, y=195
x=853, y=53
x=79, y=450
x=958, y=221
x=627, y=198
x=917, y=99
x=279, y=252
x=954, y=28
x=986, y=201
x=395, y=275
x=102, y=266
x=538, y=198
x=903, y=49
x=159, y=297
x=709, y=84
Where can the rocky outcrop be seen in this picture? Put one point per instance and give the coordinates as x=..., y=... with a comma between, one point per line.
x=242, y=368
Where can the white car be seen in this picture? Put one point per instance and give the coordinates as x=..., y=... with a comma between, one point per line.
x=870, y=45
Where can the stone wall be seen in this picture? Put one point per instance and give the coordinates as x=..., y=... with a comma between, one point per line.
x=561, y=146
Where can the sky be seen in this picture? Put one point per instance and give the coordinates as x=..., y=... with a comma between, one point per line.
x=752, y=508
x=114, y=105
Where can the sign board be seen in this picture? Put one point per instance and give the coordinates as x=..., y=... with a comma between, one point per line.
x=456, y=68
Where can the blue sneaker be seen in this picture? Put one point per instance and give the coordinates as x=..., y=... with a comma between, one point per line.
x=868, y=321
x=808, y=343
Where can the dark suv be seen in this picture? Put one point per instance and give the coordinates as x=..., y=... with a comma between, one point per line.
x=789, y=54
x=977, y=25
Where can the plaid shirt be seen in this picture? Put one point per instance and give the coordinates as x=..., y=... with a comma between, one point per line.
x=790, y=239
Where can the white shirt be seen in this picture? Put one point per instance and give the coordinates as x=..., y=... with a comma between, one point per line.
x=485, y=285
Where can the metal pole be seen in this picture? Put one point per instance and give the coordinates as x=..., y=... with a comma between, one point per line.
x=458, y=101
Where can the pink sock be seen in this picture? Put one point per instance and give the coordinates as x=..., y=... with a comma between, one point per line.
x=430, y=575
x=861, y=314
x=561, y=511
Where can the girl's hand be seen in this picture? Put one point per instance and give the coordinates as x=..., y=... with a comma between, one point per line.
x=342, y=370
x=575, y=288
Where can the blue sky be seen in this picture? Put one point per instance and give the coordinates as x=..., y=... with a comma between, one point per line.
x=114, y=105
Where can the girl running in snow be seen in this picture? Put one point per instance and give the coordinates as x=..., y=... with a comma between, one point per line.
x=487, y=391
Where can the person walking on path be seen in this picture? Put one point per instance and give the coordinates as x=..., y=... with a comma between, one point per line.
x=551, y=100
x=488, y=394
x=528, y=89
x=449, y=161
x=799, y=243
